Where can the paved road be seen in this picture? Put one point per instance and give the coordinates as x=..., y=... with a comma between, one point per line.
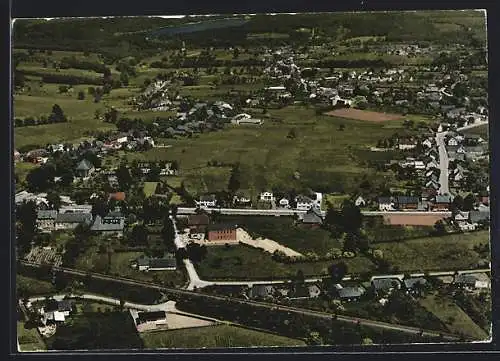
x=443, y=163
x=470, y=126
x=291, y=212
x=207, y=297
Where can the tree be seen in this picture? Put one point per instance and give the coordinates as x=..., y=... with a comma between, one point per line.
x=469, y=202
x=40, y=179
x=168, y=234
x=352, y=219
x=57, y=114
x=341, y=127
x=236, y=53
x=81, y=95
x=234, y=180
x=154, y=173
x=439, y=228
x=54, y=200
x=292, y=134
x=458, y=202
x=124, y=177
x=124, y=78
x=99, y=207
x=139, y=235
x=337, y=271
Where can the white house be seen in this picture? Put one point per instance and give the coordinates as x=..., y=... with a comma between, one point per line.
x=427, y=143
x=452, y=142
x=284, y=203
x=385, y=204
x=360, y=202
x=466, y=226
x=267, y=197
x=304, y=203
x=418, y=164
x=206, y=201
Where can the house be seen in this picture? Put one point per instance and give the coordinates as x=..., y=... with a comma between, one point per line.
x=267, y=197
x=118, y=196
x=198, y=223
x=385, y=204
x=284, y=203
x=442, y=202
x=405, y=202
x=466, y=226
x=109, y=224
x=427, y=143
x=17, y=155
x=349, y=294
x=304, y=203
x=313, y=218
x=84, y=169
x=262, y=291
x=76, y=208
x=242, y=199
x=382, y=286
x=145, y=263
x=56, y=311
x=46, y=220
x=453, y=142
x=314, y=291
x=412, y=284
x=360, y=202
x=150, y=320
x=428, y=193
x=462, y=217
x=206, y=201
x=479, y=216
x=70, y=220
x=221, y=232
x=472, y=280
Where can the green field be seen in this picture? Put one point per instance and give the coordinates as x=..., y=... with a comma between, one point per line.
x=455, y=319
x=241, y=262
x=215, y=336
x=323, y=155
x=284, y=231
x=29, y=339
x=28, y=286
x=453, y=252
x=150, y=188
x=120, y=266
x=481, y=130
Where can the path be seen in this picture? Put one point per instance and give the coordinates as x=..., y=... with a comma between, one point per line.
x=267, y=244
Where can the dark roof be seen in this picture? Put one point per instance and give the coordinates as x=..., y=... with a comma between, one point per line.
x=74, y=217
x=209, y=197
x=349, y=292
x=407, y=200
x=168, y=261
x=443, y=199
x=46, y=214
x=384, y=200
x=384, y=284
x=151, y=316
x=63, y=305
x=84, y=165
x=303, y=199
x=261, y=291
x=470, y=278
x=476, y=216
x=312, y=216
x=221, y=226
x=198, y=220
x=411, y=282
x=108, y=224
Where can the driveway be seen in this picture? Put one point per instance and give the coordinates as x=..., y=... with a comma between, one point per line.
x=267, y=244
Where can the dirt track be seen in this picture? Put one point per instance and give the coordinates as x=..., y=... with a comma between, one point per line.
x=366, y=115
x=412, y=220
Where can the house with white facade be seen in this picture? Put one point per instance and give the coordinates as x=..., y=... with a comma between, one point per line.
x=206, y=201
x=304, y=203
x=267, y=197
x=385, y=204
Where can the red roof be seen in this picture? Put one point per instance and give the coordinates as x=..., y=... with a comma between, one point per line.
x=119, y=196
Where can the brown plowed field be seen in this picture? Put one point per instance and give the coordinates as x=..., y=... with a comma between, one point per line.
x=412, y=220
x=366, y=115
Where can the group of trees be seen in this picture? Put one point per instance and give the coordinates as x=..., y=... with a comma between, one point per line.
x=56, y=116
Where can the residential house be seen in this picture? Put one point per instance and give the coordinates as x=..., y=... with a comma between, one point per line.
x=17, y=156
x=314, y=291
x=385, y=204
x=145, y=263
x=304, y=203
x=360, y=202
x=406, y=203
x=313, y=218
x=484, y=198
x=465, y=226
x=56, y=311
x=428, y=193
x=383, y=286
x=206, y=201
x=118, y=196
x=472, y=280
x=428, y=143
x=45, y=220
x=267, y=197
x=76, y=208
x=284, y=203
x=462, y=216
x=84, y=169
x=242, y=199
x=70, y=220
x=442, y=202
x=412, y=284
x=222, y=232
x=349, y=294
x=109, y=225
x=150, y=320
x=477, y=216
x=262, y=291
x=198, y=223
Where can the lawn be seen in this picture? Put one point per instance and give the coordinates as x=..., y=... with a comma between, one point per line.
x=29, y=339
x=452, y=252
x=28, y=286
x=284, y=231
x=214, y=337
x=455, y=319
x=324, y=156
x=150, y=188
x=22, y=169
x=120, y=266
x=245, y=263
x=481, y=130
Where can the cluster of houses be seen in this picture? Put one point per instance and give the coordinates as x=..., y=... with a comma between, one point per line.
x=51, y=311
x=378, y=288
x=462, y=147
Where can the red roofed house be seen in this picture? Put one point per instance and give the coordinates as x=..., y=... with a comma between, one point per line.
x=118, y=196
